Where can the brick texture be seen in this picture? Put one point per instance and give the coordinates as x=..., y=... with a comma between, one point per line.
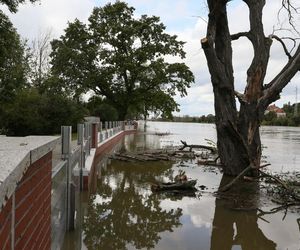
x=5, y=225
x=32, y=209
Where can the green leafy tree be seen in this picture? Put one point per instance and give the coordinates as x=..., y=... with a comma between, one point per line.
x=122, y=58
x=13, y=4
x=98, y=107
x=13, y=61
x=13, y=65
x=33, y=113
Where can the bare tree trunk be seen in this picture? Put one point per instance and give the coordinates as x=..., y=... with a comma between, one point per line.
x=238, y=135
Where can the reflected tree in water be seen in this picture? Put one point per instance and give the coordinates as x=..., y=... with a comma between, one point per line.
x=232, y=225
x=126, y=216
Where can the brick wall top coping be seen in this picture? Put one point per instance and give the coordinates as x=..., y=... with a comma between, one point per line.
x=16, y=155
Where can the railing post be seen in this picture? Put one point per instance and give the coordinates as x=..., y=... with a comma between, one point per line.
x=87, y=135
x=100, y=130
x=110, y=125
x=106, y=130
x=90, y=136
x=94, y=135
x=66, y=132
x=80, y=141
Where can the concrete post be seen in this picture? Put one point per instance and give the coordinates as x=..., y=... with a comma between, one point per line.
x=106, y=130
x=110, y=126
x=80, y=141
x=90, y=136
x=100, y=130
x=87, y=134
x=66, y=132
x=94, y=135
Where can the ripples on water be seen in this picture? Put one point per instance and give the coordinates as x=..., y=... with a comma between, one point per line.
x=123, y=213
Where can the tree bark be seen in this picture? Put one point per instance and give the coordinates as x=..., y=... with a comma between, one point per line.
x=238, y=135
x=217, y=48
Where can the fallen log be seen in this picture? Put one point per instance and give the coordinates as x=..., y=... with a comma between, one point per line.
x=119, y=158
x=209, y=163
x=242, y=174
x=136, y=157
x=185, y=185
x=185, y=145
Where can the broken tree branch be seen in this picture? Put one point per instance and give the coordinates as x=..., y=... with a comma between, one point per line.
x=263, y=174
x=277, y=209
x=185, y=145
x=282, y=44
x=283, y=184
x=239, y=35
x=229, y=185
x=274, y=88
x=240, y=97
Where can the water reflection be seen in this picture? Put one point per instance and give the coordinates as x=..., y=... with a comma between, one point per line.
x=233, y=226
x=126, y=214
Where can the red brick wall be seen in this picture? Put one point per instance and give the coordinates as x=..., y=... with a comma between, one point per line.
x=5, y=225
x=32, y=207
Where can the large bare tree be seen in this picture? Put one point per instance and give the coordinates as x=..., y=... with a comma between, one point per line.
x=40, y=50
x=238, y=135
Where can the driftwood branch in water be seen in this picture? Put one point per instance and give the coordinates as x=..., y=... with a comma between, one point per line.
x=185, y=145
x=277, y=209
x=228, y=186
x=292, y=193
x=263, y=174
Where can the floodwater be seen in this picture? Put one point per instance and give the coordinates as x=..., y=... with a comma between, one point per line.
x=123, y=213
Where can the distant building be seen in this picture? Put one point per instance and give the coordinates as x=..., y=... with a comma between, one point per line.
x=273, y=108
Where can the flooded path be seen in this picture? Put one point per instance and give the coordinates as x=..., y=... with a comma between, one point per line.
x=123, y=213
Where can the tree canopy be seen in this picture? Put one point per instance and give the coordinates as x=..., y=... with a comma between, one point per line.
x=13, y=63
x=123, y=59
x=13, y=4
x=24, y=109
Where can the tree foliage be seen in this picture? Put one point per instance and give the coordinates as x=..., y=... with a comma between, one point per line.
x=24, y=109
x=13, y=62
x=13, y=65
x=292, y=118
x=13, y=4
x=122, y=58
x=100, y=108
x=33, y=113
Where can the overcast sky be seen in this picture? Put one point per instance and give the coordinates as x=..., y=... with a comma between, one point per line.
x=186, y=18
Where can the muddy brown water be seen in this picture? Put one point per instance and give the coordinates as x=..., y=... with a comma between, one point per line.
x=123, y=213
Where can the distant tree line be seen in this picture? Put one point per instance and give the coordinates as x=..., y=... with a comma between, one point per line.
x=119, y=59
x=292, y=117
x=186, y=118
